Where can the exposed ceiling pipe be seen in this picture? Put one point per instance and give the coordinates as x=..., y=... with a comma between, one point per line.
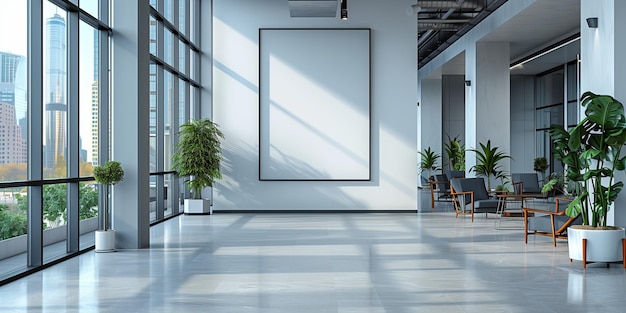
x=439, y=20
x=439, y=26
x=467, y=4
x=429, y=32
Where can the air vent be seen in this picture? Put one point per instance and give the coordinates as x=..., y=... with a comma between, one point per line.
x=313, y=8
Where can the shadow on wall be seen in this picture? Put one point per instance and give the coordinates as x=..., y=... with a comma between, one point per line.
x=240, y=187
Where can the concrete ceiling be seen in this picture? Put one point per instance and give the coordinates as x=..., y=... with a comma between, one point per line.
x=542, y=24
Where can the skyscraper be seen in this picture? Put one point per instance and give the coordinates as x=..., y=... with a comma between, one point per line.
x=95, y=101
x=55, y=130
x=12, y=108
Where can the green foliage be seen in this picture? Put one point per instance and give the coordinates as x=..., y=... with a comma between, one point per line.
x=110, y=173
x=12, y=224
x=428, y=161
x=488, y=162
x=540, y=164
x=591, y=154
x=198, y=154
x=55, y=203
x=456, y=154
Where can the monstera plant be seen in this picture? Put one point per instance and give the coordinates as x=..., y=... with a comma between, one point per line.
x=591, y=153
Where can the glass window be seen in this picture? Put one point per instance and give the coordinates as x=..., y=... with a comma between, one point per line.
x=171, y=103
x=548, y=116
x=90, y=6
x=168, y=46
x=88, y=213
x=182, y=57
x=54, y=220
x=194, y=23
x=13, y=223
x=54, y=100
x=153, y=115
x=88, y=97
x=167, y=9
x=550, y=88
x=169, y=88
x=153, y=35
x=194, y=60
x=13, y=91
x=182, y=16
x=55, y=104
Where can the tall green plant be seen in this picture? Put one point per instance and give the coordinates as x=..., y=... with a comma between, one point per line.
x=428, y=161
x=198, y=154
x=591, y=153
x=456, y=154
x=488, y=162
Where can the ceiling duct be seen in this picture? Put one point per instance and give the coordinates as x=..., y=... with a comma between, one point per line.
x=439, y=26
x=467, y=4
x=313, y=8
x=439, y=20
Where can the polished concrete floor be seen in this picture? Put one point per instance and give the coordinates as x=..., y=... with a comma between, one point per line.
x=428, y=261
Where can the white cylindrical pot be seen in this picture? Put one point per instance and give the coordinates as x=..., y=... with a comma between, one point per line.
x=198, y=206
x=105, y=240
x=602, y=245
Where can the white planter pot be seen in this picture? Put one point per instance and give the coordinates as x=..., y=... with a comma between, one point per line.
x=105, y=240
x=198, y=206
x=602, y=245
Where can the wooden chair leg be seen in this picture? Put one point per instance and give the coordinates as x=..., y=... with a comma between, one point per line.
x=624, y=252
x=432, y=198
x=525, y=226
x=553, y=230
x=584, y=253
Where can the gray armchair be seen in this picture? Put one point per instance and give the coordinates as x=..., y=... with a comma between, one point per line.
x=439, y=189
x=549, y=223
x=526, y=183
x=470, y=196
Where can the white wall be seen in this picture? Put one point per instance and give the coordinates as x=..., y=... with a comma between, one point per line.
x=235, y=88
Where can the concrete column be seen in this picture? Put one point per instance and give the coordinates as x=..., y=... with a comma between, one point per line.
x=431, y=116
x=130, y=121
x=603, y=66
x=487, y=99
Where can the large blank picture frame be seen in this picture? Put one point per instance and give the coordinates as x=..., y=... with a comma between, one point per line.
x=314, y=104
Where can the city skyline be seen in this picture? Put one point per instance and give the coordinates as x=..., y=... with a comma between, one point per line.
x=13, y=17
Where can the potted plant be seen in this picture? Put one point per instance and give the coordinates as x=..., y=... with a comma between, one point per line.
x=456, y=154
x=591, y=152
x=197, y=156
x=107, y=175
x=488, y=162
x=540, y=165
x=428, y=162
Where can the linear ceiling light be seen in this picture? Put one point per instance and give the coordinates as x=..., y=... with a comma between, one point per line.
x=544, y=52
